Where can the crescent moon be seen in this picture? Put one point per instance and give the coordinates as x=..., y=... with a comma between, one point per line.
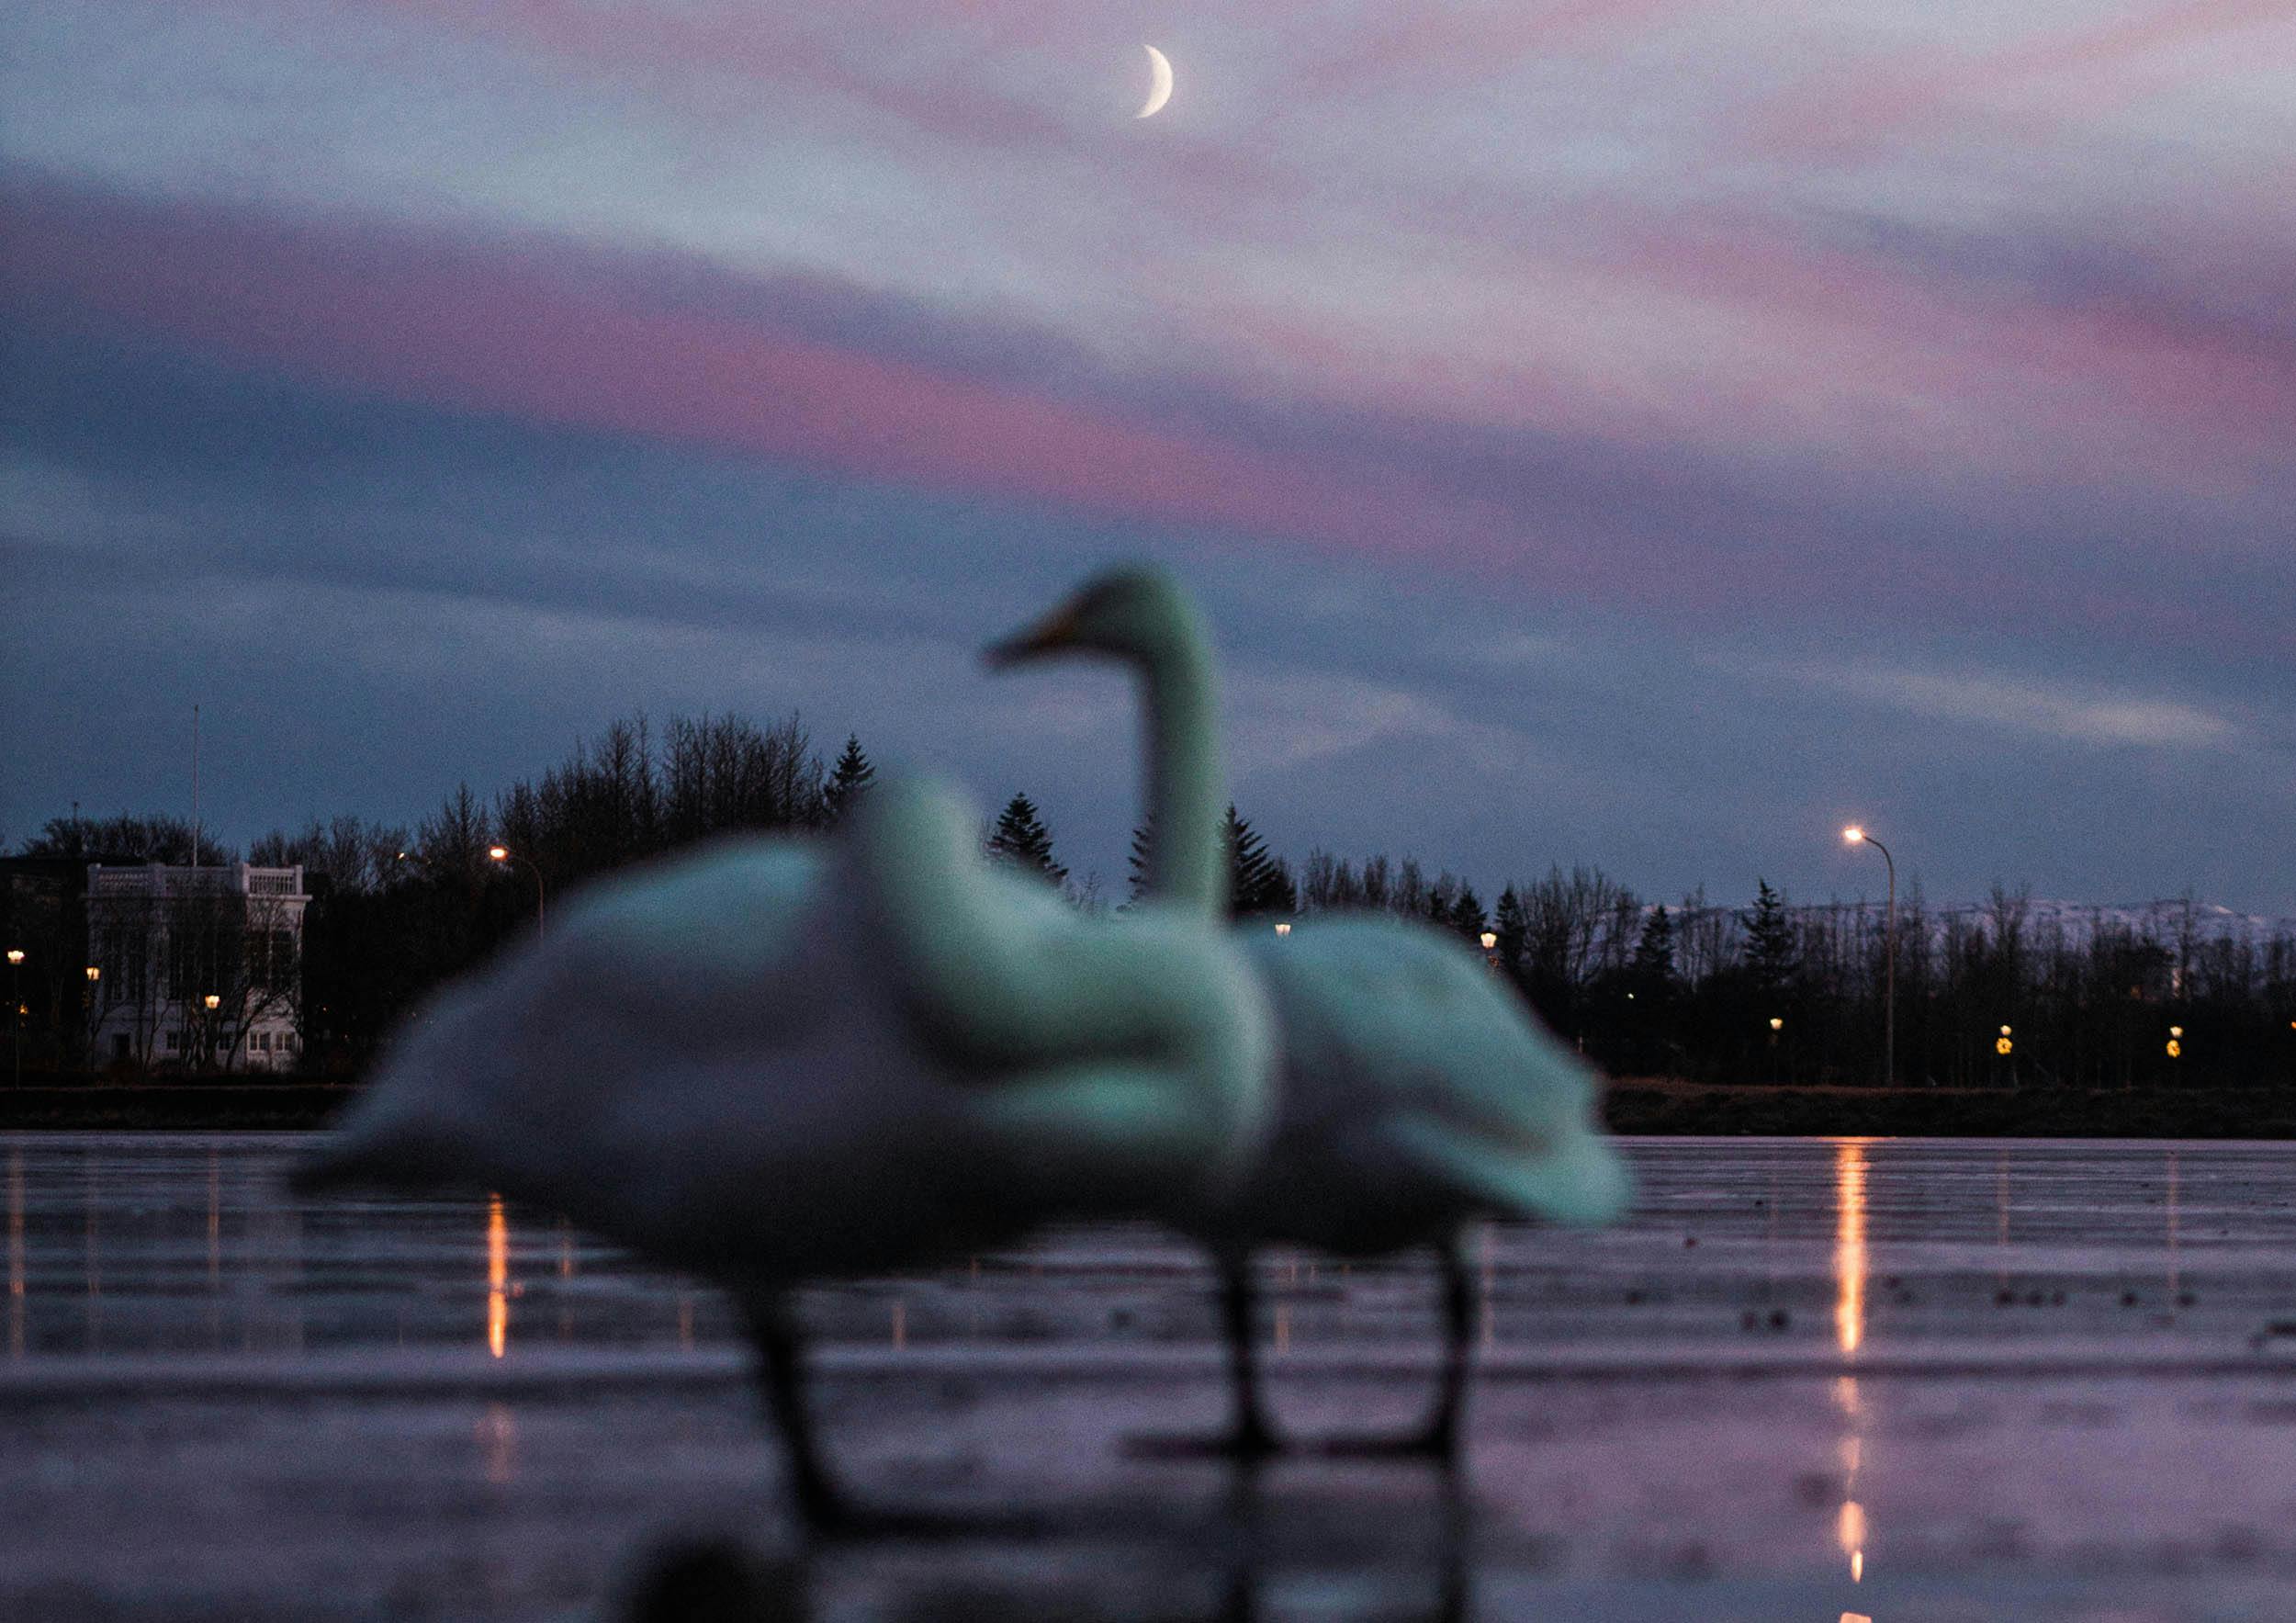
x=1159, y=83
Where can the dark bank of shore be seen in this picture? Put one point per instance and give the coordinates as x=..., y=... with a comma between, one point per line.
x=1641, y=1105
x=1635, y=1105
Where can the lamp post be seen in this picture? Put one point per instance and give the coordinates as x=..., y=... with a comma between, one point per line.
x=211, y=1002
x=16, y=1002
x=87, y=1013
x=503, y=855
x=1857, y=836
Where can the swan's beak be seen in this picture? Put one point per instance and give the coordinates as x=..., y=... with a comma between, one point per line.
x=1056, y=631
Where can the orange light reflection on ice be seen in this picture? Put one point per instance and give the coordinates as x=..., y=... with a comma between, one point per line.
x=497, y=1278
x=1850, y=1245
x=1850, y=1270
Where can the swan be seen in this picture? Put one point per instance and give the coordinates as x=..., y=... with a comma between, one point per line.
x=771, y=1062
x=1416, y=1092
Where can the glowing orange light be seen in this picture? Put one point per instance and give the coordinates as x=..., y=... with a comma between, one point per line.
x=1490, y=939
x=15, y=955
x=497, y=1278
x=1853, y=834
x=500, y=853
x=1283, y=928
x=1850, y=1245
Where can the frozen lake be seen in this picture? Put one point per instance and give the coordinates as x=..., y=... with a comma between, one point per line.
x=1902, y=1379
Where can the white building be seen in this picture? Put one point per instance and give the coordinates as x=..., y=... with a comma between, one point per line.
x=197, y=968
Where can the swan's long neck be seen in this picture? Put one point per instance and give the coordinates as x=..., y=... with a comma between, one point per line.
x=1187, y=860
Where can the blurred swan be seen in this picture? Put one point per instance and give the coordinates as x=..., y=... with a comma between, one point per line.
x=1416, y=1093
x=771, y=1062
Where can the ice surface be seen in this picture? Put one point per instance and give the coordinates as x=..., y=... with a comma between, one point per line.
x=2041, y=1381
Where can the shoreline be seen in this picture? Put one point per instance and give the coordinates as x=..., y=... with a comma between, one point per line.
x=1633, y=1107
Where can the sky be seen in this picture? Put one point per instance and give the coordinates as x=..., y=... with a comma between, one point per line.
x=1642, y=433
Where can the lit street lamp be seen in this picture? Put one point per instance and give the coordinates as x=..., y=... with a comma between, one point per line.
x=1283, y=927
x=16, y=1001
x=1857, y=836
x=503, y=855
x=87, y=1012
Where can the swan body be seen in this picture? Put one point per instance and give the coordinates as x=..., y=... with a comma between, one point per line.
x=773, y=1061
x=1414, y=1090
x=1414, y=1095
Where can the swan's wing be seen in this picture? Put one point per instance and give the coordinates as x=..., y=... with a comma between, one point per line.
x=1109, y=1041
x=1579, y=1179
x=1408, y=1065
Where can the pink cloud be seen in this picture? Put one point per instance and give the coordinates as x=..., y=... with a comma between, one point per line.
x=503, y=331
x=542, y=332
x=2045, y=78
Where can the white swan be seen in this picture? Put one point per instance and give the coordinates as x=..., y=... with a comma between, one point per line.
x=1416, y=1091
x=771, y=1061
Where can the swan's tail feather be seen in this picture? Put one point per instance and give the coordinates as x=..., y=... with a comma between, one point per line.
x=1579, y=1179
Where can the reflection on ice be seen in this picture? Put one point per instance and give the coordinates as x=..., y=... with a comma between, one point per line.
x=1850, y=1276
x=1995, y=1382
x=497, y=1278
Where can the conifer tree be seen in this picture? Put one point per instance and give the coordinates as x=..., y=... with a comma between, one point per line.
x=1512, y=925
x=849, y=781
x=1653, y=967
x=1467, y=914
x=1143, y=840
x=1771, y=953
x=1021, y=839
x=1258, y=882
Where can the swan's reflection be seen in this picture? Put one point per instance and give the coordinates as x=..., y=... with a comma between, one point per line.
x=687, y=1580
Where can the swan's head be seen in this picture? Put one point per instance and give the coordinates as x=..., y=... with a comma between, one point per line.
x=1139, y=614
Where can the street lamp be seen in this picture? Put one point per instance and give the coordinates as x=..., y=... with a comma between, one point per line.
x=1857, y=836
x=503, y=855
x=1283, y=927
x=16, y=1001
x=87, y=1013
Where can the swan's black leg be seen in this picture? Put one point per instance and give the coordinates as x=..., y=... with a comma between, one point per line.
x=1248, y=1438
x=1439, y=1438
x=1251, y=1437
x=780, y=1382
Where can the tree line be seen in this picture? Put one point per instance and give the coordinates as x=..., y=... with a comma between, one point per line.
x=1766, y=992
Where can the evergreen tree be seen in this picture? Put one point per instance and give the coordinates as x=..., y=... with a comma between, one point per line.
x=1258, y=882
x=849, y=781
x=1653, y=967
x=1512, y=925
x=1467, y=914
x=1021, y=839
x=1143, y=840
x=1771, y=953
